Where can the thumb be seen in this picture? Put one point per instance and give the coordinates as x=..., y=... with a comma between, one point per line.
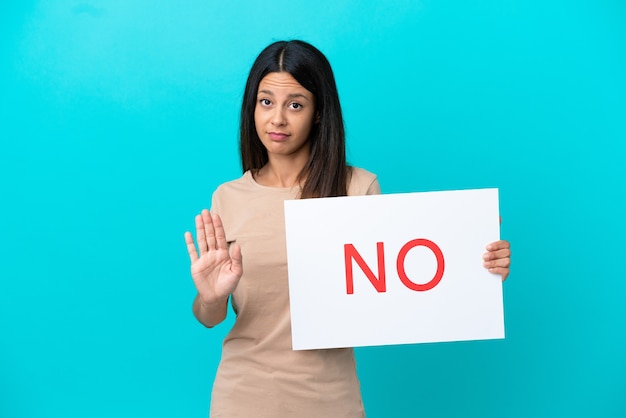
x=236, y=258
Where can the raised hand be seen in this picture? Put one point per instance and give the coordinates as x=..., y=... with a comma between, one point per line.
x=215, y=270
x=497, y=259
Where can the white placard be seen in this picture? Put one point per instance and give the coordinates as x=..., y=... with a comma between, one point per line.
x=416, y=269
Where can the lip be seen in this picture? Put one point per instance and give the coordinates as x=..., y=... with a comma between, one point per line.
x=277, y=136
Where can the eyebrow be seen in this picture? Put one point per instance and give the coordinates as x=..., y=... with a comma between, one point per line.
x=290, y=96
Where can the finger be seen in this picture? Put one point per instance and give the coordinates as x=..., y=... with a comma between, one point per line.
x=201, y=235
x=191, y=247
x=500, y=262
x=498, y=245
x=220, y=235
x=208, y=229
x=494, y=255
x=503, y=272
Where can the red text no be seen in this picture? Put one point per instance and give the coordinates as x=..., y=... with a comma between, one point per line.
x=380, y=282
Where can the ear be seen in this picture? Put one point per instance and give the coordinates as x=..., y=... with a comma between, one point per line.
x=317, y=118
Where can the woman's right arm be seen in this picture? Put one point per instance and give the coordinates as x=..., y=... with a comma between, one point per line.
x=215, y=269
x=209, y=314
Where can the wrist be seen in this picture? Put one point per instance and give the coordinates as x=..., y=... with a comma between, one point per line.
x=211, y=303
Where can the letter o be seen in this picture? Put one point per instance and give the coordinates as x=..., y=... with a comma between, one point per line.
x=440, y=264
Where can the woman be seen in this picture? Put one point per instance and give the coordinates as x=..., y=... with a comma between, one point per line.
x=292, y=146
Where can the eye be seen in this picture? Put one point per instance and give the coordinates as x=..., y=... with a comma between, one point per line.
x=265, y=102
x=295, y=106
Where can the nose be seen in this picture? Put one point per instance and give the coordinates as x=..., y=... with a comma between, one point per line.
x=278, y=118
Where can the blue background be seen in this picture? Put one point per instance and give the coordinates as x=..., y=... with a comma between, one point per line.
x=119, y=118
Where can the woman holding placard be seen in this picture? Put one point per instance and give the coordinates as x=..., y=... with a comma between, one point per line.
x=292, y=146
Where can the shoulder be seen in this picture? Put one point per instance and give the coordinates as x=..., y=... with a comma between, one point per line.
x=233, y=191
x=242, y=184
x=362, y=182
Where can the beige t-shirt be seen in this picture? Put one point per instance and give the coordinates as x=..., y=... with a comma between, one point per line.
x=259, y=374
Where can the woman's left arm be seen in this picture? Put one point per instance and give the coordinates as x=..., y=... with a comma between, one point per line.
x=497, y=259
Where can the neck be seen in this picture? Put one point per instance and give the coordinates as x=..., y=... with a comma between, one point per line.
x=281, y=172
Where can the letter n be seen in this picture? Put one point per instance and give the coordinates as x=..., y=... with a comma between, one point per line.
x=350, y=254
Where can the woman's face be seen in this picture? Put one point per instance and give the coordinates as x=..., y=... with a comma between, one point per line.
x=284, y=115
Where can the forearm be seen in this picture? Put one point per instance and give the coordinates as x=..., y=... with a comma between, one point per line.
x=209, y=314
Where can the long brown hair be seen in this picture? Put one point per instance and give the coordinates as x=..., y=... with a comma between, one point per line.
x=326, y=173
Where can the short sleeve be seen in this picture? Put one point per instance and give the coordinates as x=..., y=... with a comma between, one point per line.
x=374, y=187
x=215, y=203
x=363, y=182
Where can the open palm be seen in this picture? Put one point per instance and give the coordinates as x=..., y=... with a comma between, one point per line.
x=215, y=270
